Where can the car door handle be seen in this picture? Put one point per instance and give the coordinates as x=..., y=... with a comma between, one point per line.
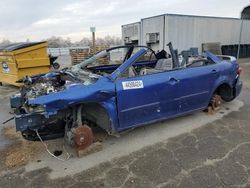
x=214, y=71
x=173, y=81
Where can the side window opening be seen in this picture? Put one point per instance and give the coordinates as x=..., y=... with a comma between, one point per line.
x=147, y=60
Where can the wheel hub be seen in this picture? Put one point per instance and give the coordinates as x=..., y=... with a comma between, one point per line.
x=216, y=102
x=83, y=137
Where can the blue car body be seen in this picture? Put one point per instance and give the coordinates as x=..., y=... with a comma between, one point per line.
x=134, y=101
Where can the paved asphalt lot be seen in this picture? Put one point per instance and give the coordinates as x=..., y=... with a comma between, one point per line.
x=198, y=150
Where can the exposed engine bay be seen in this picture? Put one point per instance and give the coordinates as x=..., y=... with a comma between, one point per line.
x=51, y=83
x=55, y=81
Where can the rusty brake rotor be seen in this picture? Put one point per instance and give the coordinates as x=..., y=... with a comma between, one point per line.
x=83, y=137
x=216, y=102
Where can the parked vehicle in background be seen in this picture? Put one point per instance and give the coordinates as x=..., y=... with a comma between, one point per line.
x=121, y=88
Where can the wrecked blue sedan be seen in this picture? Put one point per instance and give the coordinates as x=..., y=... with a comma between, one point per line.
x=122, y=88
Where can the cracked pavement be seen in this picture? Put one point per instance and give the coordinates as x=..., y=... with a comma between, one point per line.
x=214, y=155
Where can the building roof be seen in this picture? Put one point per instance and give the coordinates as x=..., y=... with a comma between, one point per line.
x=167, y=14
x=131, y=23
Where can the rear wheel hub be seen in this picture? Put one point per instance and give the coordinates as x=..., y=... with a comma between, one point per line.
x=216, y=102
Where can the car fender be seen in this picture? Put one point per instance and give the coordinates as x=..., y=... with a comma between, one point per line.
x=111, y=109
x=221, y=80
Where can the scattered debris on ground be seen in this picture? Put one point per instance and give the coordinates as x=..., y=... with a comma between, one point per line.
x=20, y=151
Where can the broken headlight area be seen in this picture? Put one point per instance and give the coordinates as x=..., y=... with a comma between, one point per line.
x=16, y=101
x=30, y=121
x=20, y=106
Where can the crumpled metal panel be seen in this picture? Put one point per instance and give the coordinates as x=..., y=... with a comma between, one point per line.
x=76, y=94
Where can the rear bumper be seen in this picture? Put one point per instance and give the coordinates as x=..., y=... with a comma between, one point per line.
x=237, y=87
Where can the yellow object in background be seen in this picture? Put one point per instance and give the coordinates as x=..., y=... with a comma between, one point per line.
x=23, y=59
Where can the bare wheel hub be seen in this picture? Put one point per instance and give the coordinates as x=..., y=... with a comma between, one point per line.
x=216, y=102
x=83, y=137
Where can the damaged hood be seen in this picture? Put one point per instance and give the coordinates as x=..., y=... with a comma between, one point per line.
x=74, y=94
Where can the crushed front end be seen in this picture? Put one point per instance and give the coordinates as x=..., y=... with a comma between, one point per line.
x=29, y=117
x=49, y=120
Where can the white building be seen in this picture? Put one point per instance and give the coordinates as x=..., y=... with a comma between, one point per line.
x=185, y=31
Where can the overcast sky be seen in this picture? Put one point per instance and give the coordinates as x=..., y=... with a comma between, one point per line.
x=37, y=20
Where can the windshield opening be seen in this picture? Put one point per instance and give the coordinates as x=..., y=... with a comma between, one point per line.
x=112, y=57
x=107, y=61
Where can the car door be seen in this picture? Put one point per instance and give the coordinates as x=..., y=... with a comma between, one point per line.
x=144, y=99
x=195, y=87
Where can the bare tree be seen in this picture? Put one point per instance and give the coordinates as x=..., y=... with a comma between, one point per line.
x=106, y=41
x=59, y=42
x=56, y=42
x=84, y=42
x=5, y=42
x=109, y=41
